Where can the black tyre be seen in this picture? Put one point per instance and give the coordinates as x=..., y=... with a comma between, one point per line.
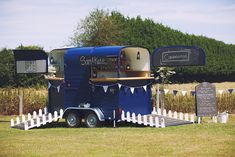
x=92, y=120
x=73, y=120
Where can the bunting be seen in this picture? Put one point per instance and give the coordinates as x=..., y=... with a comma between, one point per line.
x=184, y=92
x=166, y=91
x=132, y=90
x=175, y=92
x=230, y=91
x=105, y=88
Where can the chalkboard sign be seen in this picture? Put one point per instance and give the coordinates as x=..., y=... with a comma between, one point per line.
x=178, y=56
x=206, y=100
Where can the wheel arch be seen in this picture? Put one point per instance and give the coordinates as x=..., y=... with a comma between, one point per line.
x=84, y=111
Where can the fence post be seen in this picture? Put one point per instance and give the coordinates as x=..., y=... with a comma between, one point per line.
x=128, y=118
x=114, y=118
x=169, y=113
x=23, y=118
x=17, y=120
x=55, y=116
x=40, y=112
x=186, y=116
x=139, y=119
x=61, y=113
x=156, y=122
x=21, y=105
x=49, y=117
x=133, y=118
x=45, y=110
x=181, y=116
x=164, y=112
x=26, y=126
x=34, y=114
x=192, y=118
x=43, y=119
x=151, y=121
x=12, y=122
x=175, y=115
x=162, y=123
x=29, y=116
x=159, y=111
x=145, y=120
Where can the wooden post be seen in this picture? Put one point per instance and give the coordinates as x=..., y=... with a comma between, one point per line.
x=17, y=120
x=29, y=116
x=55, y=116
x=21, y=105
x=23, y=118
x=169, y=113
x=49, y=118
x=40, y=112
x=34, y=114
x=61, y=113
x=192, y=118
x=164, y=112
x=157, y=95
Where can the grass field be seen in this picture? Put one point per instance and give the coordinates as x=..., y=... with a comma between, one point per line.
x=197, y=140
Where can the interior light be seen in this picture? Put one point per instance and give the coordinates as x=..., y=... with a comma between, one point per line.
x=138, y=55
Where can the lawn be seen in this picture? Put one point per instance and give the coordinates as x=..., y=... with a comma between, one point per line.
x=206, y=139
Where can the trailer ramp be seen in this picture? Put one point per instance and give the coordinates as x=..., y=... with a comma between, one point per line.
x=36, y=120
x=158, y=119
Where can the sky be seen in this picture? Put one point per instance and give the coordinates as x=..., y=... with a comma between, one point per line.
x=50, y=23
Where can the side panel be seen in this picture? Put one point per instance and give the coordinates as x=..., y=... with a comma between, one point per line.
x=139, y=101
x=55, y=95
x=77, y=89
x=105, y=101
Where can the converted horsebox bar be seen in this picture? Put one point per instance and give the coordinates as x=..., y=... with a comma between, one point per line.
x=89, y=83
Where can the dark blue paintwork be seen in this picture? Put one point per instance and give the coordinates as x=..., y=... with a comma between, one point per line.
x=78, y=89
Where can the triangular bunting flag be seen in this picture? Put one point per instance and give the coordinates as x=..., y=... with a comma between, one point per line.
x=166, y=91
x=132, y=89
x=58, y=89
x=175, y=92
x=119, y=85
x=184, y=92
x=49, y=85
x=105, y=88
x=193, y=93
x=145, y=88
x=230, y=91
x=220, y=91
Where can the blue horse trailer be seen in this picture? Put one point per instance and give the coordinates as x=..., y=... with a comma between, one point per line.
x=92, y=84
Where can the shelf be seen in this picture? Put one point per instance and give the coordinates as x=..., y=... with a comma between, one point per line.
x=119, y=79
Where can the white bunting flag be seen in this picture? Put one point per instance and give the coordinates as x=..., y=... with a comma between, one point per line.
x=58, y=89
x=132, y=90
x=119, y=85
x=166, y=91
x=49, y=85
x=220, y=91
x=105, y=88
x=145, y=88
x=184, y=92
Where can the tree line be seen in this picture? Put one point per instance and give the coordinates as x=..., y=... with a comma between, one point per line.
x=103, y=27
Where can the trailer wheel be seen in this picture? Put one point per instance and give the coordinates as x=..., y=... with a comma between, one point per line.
x=72, y=119
x=92, y=120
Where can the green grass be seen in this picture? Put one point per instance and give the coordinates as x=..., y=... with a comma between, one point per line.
x=206, y=139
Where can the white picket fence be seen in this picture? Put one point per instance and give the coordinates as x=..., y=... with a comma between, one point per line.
x=143, y=119
x=36, y=120
x=157, y=118
x=175, y=115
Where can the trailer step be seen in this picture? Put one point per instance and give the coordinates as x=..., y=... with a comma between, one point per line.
x=158, y=119
x=36, y=120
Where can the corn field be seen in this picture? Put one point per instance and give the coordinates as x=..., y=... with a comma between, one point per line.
x=34, y=99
